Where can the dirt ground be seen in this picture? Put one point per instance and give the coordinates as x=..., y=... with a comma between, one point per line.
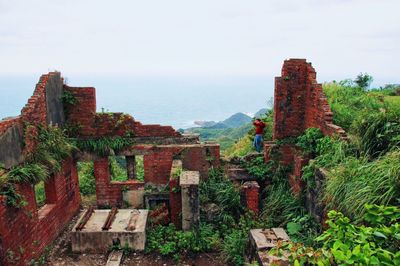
x=61, y=254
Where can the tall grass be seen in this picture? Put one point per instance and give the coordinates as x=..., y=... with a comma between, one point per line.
x=378, y=132
x=280, y=206
x=356, y=182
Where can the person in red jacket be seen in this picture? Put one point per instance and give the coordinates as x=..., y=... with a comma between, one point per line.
x=260, y=125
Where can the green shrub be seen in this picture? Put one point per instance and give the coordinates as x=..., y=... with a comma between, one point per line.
x=87, y=181
x=258, y=168
x=30, y=173
x=309, y=141
x=345, y=243
x=303, y=229
x=234, y=247
x=168, y=241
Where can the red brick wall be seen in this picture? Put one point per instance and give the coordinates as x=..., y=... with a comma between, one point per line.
x=250, y=196
x=26, y=232
x=201, y=158
x=110, y=193
x=175, y=202
x=157, y=169
x=154, y=131
x=157, y=165
x=7, y=123
x=34, y=111
x=82, y=113
x=94, y=124
x=300, y=102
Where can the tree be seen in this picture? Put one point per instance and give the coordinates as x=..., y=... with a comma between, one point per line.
x=363, y=80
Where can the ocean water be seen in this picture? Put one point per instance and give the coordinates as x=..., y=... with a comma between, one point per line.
x=167, y=101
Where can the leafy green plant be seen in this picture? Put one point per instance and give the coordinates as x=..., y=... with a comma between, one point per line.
x=30, y=173
x=258, y=168
x=349, y=104
x=69, y=98
x=309, y=141
x=168, y=241
x=13, y=199
x=87, y=181
x=345, y=243
x=303, y=229
x=234, y=246
x=105, y=145
x=52, y=148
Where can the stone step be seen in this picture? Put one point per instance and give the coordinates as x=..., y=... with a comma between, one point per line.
x=115, y=258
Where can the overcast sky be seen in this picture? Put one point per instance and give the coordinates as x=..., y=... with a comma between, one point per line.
x=199, y=38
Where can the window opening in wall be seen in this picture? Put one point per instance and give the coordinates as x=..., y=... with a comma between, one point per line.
x=124, y=168
x=118, y=166
x=40, y=194
x=87, y=183
x=139, y=161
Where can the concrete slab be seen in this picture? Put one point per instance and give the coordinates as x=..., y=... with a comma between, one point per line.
x=189, y=178
x=127, y=229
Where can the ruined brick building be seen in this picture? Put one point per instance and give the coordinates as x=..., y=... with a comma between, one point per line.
x=25, y=232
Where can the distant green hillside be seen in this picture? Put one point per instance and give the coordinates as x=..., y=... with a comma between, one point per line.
x=226, y=132
x=226, y=137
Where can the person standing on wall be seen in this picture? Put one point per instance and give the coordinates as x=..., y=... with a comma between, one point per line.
x=258, y=139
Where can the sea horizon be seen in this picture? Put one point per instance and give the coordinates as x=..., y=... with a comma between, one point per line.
x=174, y=101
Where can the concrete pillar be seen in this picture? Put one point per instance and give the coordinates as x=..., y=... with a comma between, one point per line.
x=249, y=193
x=131, y=167
x=189, y=182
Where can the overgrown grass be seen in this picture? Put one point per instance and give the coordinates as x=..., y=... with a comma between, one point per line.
x=377, y=133
x=348, y=103
x=280, y=206
x=356, y=182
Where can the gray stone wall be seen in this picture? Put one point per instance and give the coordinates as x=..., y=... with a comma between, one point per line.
x=54, y=104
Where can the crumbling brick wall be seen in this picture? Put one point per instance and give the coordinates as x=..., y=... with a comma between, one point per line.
x=299, y=103
x=91, y=124
x=157, y=168
x=24, y=233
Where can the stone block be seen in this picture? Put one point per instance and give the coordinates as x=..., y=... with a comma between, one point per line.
x=262, y=241
x=189, y=182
